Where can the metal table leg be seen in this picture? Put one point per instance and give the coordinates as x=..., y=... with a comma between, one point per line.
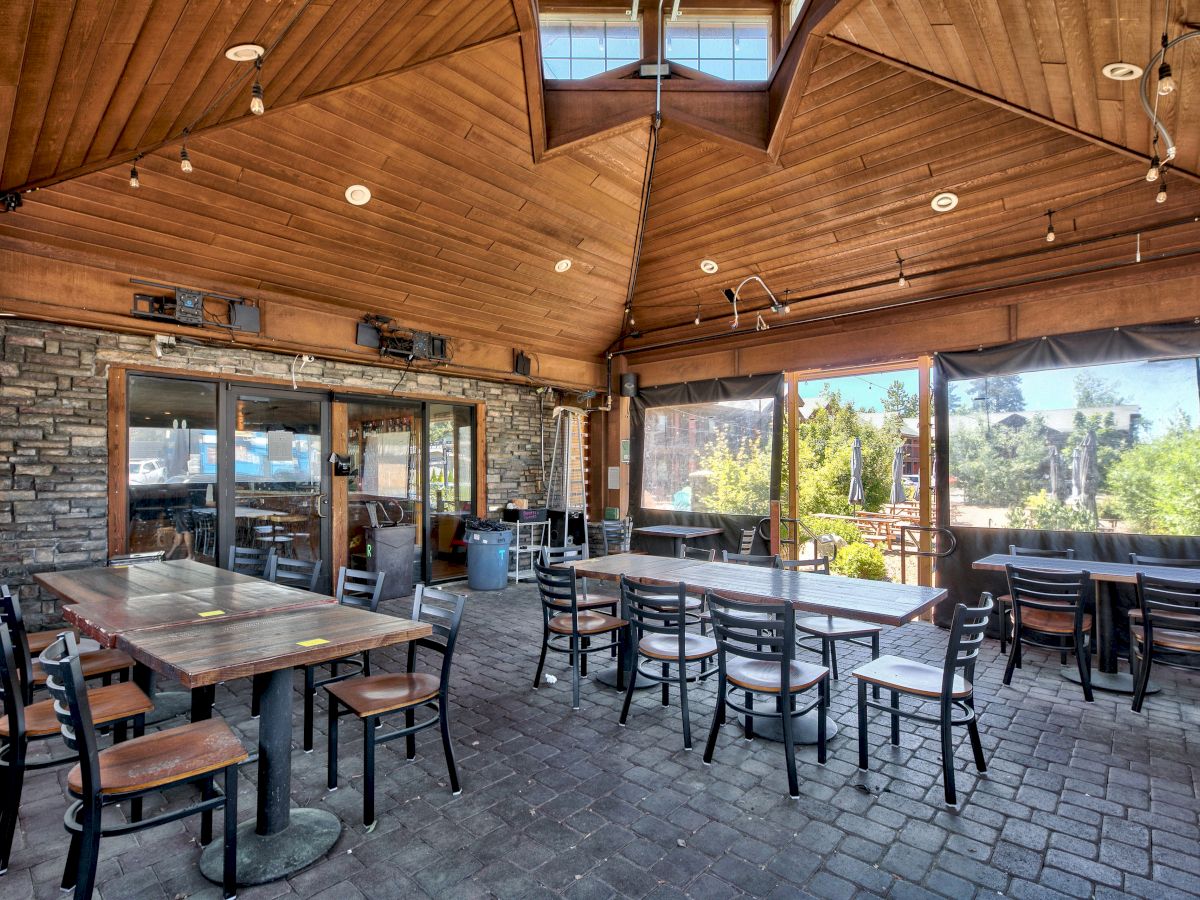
x=167, y=704
x=282, y=840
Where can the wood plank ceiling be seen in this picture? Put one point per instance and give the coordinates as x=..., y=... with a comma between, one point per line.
x=426, y=102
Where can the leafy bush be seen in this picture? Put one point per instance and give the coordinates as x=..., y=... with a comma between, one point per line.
x=847, y=531
x=860, y=561
x=1046, y=513
x=1156, y=485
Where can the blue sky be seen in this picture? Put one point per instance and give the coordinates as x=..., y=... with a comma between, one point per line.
x=865, y=390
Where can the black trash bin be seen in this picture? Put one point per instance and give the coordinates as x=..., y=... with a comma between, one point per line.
x=487, y=559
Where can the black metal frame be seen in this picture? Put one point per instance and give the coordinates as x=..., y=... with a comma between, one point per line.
x=702, y=554
x=1053, y=592
x=1171, y=605
x=967, y=633
x=83, y=817
x=764, y=560
x=445, y=626
x=768, y=634
x=1003, y=603
x=655, y=609
x=299, y=573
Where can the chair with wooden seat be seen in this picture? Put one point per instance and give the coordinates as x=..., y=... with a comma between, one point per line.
x=658, y=634
x=1051, y=610
x=116, y=706
x=617, y=535
x=756, y=654
x=592, y=596
x=951, y=686
x=249, y=561
x=569, y=628
x=298, y=573
x=38, y=640
x=199, y=754
x=1167, y=631
x=371, y=698
x=746, y=544
x=96, y=663
x=762, y=560
x=1004, y=601
x=361, y=590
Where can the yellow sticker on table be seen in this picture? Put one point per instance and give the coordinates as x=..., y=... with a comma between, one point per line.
x=212, y=612
x=313, y=642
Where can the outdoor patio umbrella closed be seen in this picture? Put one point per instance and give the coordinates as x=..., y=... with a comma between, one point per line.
x=1085, y=474
x=1055, y=464
x=898, y=475
x=855, y=496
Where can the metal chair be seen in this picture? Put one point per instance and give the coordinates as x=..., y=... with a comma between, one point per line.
x=1004, y=601
x=746, y=544
x=926, y=683
x=1053, y=607
x=658, y=633
x=1163, y=562
x=564, y=621
x=703, y=554
x=376, y=696
x=249, y=561
x=763, y=560
x=617, y=535
x=191, y=754
x=298, y=573
x=1166, y=632
x=117, y=705
x=757, y=655
x=361, y=590
x=40, y=640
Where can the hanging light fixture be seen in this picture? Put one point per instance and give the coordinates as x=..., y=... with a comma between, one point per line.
x=1050, y=235
x=256, y=93
x=901, y=281
x=185, y=164
x=134, y=181
x=1155, y=168
x=1162, y=192
x=697, y=319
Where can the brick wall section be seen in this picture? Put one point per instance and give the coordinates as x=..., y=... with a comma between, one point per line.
x=53, y=434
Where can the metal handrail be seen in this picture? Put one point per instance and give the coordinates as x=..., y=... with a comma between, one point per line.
x=927, y=554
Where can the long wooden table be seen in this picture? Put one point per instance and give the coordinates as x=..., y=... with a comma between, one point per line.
x=1108, y=677
x=235, y=626
x=679, y=534
x=871, y=601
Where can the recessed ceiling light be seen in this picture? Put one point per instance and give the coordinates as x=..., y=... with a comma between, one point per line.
x=358, y=194
x=562, y=265
x=1122, y=71
x=709, y=266
x=244, y=52
x=944, y=202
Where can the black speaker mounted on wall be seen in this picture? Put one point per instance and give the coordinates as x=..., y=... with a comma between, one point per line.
x=629, y=384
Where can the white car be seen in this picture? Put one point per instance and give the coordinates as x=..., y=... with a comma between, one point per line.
x=146, y=471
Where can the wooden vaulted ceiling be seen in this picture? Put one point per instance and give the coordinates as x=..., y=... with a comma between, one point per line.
x=438, y=107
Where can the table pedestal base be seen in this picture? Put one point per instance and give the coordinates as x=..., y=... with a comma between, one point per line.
x=1116, y=682
x=804, y=728
x=168, y=705
x=609, y=677
x=310, y=834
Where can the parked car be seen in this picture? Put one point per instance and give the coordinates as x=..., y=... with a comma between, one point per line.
x=146, y=471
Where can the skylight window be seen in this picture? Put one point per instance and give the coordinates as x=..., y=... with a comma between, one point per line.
x=582, y=46
x=733, y=49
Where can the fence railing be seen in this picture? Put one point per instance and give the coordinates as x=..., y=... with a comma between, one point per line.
x=910, y=545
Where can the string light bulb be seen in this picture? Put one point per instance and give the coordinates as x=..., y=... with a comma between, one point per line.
x=1155, y=169
x=256, y=93
x=1162, y=192
x=901, y=281
x=1166, y=81
x=134, y=181
x=1050, y=235
x=696, y=321
x=185, y=164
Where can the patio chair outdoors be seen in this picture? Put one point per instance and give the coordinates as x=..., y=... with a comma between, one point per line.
x=1166, y=632
x=1051, y=610
x=1004, y=601
x=763, y=560
x=297, y=573
x=249, y=561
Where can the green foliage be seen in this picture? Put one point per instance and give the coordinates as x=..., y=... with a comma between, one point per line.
x=823, y=444
x=1046, y=513
x=899, y=401
x=1156, y=485
x=1003, y=466
x=1003, y=393
x=739, y=479
x=1092, y=390
x=860, y=561
x=847, y=531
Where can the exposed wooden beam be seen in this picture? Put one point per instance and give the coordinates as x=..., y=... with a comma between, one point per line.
x=118, y=158
x=531, y=56
x=1001, y=103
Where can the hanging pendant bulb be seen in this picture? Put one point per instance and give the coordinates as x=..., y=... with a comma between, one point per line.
x=1162, y=192
x=134, y=181
x=1166, y=81
x=256, y=93
x=185, y=164
x=696, y=321
x=1155, y=169
x=1050, y=235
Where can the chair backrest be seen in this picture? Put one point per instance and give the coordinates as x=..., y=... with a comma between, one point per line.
x=358, y=588
x=136, y=559
x=1014, y=550
x=1168, y=603
x=12, y=622
x=655, y=609
x=249, y=561
x=442, y=611
x=558, y=591
x=300, y=573
x=967, y=632
x=1060, y=592
x=64, y=681
x=12, y=700
x=617, y=535
x=704, y=554
x=746, y=545
x=765, y=560
x=553, y=556
x=819, y=565
x=1166, y=562
x=759, y=631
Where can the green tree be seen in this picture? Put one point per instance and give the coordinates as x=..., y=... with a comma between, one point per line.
x=1156, y=485
x=1003, y=393
x=1046, y=513
x=1092, y=390
x=823, y=445
x=738, y=479
x=900, y=401
x=1001, y=465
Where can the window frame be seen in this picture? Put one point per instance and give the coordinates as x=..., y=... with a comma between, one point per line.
x=605, y=18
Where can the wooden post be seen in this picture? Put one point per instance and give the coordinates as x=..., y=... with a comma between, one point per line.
x=775, y=523
x=339, y=498
x=925, y=467
x=793, y=424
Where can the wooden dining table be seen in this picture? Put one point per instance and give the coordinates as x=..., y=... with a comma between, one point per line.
x=236, y=626
x=1105, y=575
x=679, y=534
x=881, y=602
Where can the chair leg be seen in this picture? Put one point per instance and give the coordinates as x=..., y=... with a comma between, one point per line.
x=537, y=676
x=331, y=746
x=825, y=648
x=1014, y=654
x=207, y=792
x=748, y=728
x=575, y=674
x=1084, y=666
x=822, y=719
x=1000, y=613
x=583, y=656
x=976, y=745
x=1142, y=679
x=789, y=749
x=13, y=782
x=310, y=693
x=368, y=771
x=410, y=740
x=895, y=704
x=89, y=851
x=875, y=655
x=947, y=755
x=683, y=705
x=833, y=658
x=666, y=692
x=71, y=867
x=447, y=748
x=628, y=695
x=231, y=825
x=717, y=721
x=862, y=724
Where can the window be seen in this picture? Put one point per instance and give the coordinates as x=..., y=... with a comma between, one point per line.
x=733, y=49
x=709, y=457
x=581, y=46
x=1111, y=447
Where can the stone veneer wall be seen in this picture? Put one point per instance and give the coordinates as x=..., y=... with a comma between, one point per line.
x=54, y=420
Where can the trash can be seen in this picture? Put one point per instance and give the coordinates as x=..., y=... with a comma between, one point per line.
x=487, y=559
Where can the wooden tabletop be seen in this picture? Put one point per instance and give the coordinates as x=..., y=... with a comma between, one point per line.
x=678, y=531
x=105, y=620
x=128, y=582
x=1122, y=573
x=870, y=601
x=219, y=649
